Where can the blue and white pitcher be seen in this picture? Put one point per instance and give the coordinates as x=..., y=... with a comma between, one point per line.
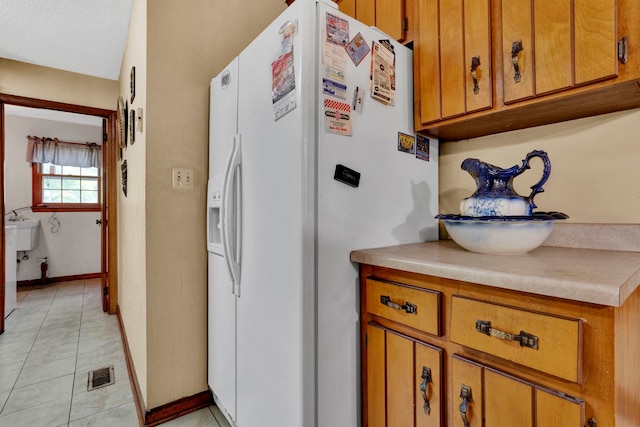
x=495, y=195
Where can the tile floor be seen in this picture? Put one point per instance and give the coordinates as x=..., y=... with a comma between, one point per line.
x=56, y=335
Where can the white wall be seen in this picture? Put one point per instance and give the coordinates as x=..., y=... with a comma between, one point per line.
x=75, y=247
x=595, y=173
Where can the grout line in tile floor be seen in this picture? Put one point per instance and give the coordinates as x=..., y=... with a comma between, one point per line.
x=55, y=336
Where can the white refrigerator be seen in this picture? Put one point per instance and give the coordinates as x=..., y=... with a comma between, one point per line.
x=311, y=156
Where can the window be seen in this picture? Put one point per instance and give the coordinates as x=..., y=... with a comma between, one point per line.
x=65, y=188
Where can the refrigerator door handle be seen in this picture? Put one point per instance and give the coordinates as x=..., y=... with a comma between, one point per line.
x=231, y=213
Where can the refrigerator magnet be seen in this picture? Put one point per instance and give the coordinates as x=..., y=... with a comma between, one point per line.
x=337, y=29
x=406, y=143
x=422, y=147
x=357, y=49
x=329, y=87
x=337, y=117
x=358, y=100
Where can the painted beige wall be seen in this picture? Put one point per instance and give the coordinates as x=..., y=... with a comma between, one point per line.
x=595, y=173
x=34, y=81
x=176, y=49
x=132, y=254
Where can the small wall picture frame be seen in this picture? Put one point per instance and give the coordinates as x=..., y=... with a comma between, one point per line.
x=132, y=126
x=132, y=84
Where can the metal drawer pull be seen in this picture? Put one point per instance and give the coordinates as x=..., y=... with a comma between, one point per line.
x=525, y=339
x=475, y=63
x=408, y=307
x=465, y=395
x=426, y=379
x=516, y=48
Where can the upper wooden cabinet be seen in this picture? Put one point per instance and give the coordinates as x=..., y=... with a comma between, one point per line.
x=483, y=67
x=391, y=16
x=570, y=45
x=454, y=60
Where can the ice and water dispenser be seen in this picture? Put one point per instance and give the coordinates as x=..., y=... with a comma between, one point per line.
x=214, y=199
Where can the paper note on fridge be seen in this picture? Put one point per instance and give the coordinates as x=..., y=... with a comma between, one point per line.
x=383, y=75
x=337, y=117
x=283, y=85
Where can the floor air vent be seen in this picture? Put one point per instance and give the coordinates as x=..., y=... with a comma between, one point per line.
x=100, y=378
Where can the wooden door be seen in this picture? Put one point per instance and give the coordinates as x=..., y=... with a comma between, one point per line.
x=366, y=12
x=508, y=401
x=400, y=380
x=595, y=40
x=552, y=38
x=558, y=409
x=390, y=18
x=427, y=88
x=348, y=7
x=376, y=380
x=104, y=238
x=466, y=393
x=517, y=50
x=453, y=58
x=429, y=377
x=478, y=82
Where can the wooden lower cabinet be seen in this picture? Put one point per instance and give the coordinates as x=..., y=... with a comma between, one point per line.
x=501, y=399
x=404, y=380
x=529, y=361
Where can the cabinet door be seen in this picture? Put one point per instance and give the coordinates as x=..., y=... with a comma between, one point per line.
x=366, y=11
x=348, y=7
x=552, y=37
x=400, y=393
x=390, y=16
x=517, y=50
x=466, y=393
x=508, y=401
x=505, y=400
x=558, y=409
x=562, y=44
x=404, y=381
x=449, y=35
x=595, y=40
x=376, y=380
x=428, y=389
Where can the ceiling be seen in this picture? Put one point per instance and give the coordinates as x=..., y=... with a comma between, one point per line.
x=81, y=36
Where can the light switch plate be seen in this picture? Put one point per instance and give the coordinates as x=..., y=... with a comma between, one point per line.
x=182, y=178
x=139, y=119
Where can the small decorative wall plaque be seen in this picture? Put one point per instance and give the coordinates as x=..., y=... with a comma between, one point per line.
x=133, y=84
x=132, y=126
x=123, y=168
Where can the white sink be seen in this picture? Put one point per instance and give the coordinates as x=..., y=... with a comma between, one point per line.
x=28, y=233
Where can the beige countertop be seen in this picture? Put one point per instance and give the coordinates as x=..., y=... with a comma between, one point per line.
x=597, y=276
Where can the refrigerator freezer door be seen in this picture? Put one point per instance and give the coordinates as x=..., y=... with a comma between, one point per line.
x=221, y=298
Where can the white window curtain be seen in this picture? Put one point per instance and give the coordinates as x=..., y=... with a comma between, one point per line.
x=54, y=151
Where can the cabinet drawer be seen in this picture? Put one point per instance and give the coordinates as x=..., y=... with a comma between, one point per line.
x=411, y=306
x=540, y=341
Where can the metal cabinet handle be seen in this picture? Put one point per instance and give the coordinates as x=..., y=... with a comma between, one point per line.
x=465, y=395
x=475, y=63
x=426, y=379
x=525, y=339
x=407, y=307
x=516, y=48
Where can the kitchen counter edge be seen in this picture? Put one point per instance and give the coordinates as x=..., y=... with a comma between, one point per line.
x=604, y=277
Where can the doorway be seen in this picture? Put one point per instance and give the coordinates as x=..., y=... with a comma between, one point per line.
x=103, y=219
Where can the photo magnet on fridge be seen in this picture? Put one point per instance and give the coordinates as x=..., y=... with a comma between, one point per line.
x=422, y=147
x=357, y=49
x=406, y=143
